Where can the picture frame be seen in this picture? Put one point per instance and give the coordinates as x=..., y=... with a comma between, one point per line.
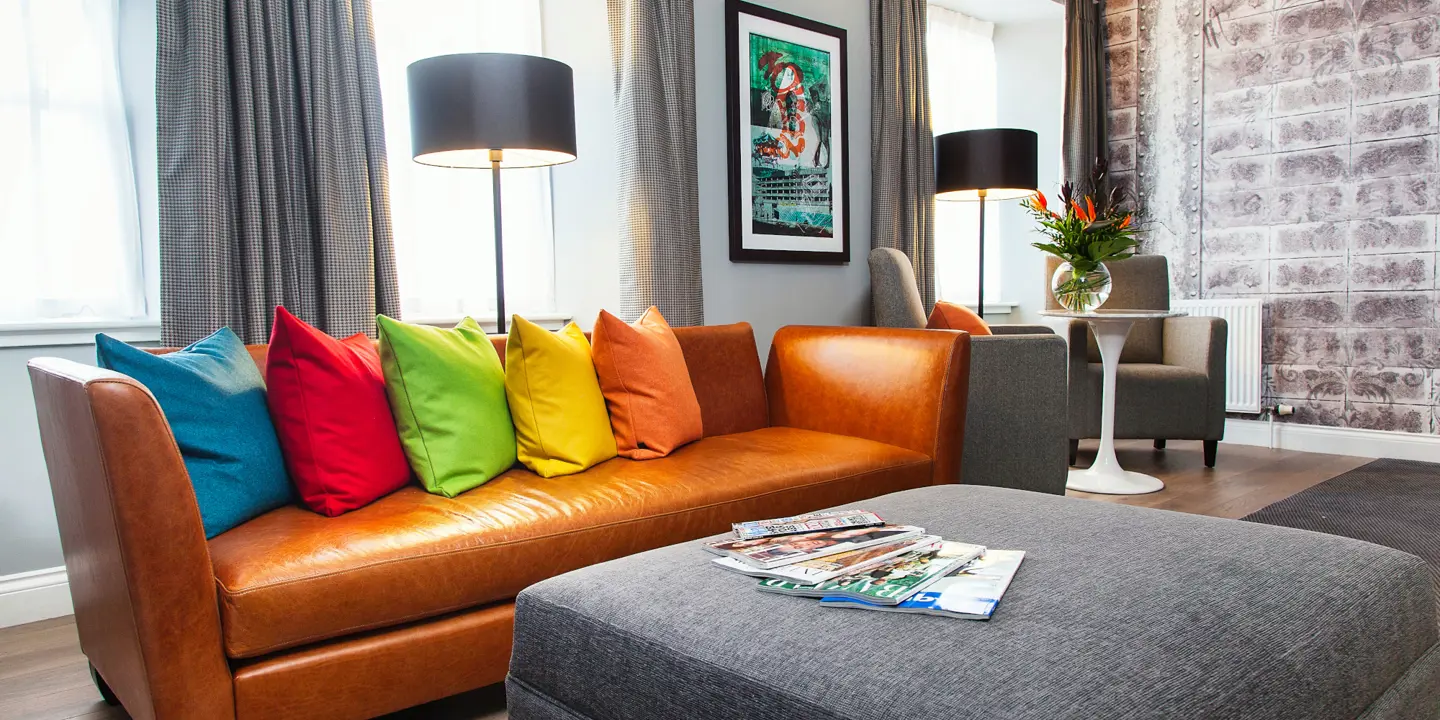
x=787, y=81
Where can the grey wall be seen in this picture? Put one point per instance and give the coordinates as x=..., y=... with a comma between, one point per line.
x=29, y=537
x=771, y=296
x=1030, y=70
x=1290, y=151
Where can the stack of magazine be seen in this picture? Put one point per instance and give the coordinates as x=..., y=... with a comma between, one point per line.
x=854, y=559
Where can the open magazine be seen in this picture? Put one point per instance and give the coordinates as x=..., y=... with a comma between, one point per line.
x=971, y=592
x=821, y=569
x=890, y=582
x=770, y=552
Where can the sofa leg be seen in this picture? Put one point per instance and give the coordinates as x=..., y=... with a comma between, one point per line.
x=1074, y=451
x=106, y=693
x=1211, y=446
x=1160, y=444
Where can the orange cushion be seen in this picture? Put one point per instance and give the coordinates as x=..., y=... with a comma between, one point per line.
x=647, y=387
x=949, y=316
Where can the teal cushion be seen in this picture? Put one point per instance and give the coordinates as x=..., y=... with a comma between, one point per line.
x=214, y=398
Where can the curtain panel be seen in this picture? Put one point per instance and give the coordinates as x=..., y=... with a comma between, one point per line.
x=902, y=147
x=652, y=43
x=273, y=185
x=1086, y=133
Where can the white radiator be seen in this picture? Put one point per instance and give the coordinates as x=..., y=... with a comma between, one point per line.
x=1242, y=353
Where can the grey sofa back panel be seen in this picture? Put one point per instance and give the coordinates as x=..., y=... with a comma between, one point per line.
x=893, y=293
x=1138, y=283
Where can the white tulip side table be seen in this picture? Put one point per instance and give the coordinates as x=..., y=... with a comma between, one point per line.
x=1105, y=475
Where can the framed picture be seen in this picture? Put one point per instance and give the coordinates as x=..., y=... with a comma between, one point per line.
x=789, y=172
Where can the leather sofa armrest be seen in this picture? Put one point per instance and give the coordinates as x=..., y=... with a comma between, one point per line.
x=135, y=550
x=897, y=386
x=1199, y=343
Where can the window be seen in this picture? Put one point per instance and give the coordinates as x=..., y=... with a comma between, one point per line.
x=444, y=227
x=963, y=96
x=69, y=224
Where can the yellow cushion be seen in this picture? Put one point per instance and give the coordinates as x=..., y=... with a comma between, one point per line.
x=561, y=426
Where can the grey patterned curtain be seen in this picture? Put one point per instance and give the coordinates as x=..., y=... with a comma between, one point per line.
x=273, y=183
x=902, y=149
x=1086, y=118
x=653, y=46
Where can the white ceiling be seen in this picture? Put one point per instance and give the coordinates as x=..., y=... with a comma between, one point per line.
x=1007, y=11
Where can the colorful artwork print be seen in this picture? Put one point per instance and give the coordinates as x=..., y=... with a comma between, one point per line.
x=792, y=181
x=789, y=176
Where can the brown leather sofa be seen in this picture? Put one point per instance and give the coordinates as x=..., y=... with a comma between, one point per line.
x=295, y=615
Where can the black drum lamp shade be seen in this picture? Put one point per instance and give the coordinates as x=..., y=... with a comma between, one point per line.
x=990, y=164
x=495, y=111
x=1001, y=161
x=463, y=106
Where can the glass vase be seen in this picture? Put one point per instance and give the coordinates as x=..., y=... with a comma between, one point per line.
x=1080, y=292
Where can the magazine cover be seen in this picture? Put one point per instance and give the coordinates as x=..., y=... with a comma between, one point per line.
x=809, y=522
x=766, y=553
x=972, y=592
x=818, y=570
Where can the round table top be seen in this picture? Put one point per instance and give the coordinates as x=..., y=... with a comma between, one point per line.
x=1117, y=314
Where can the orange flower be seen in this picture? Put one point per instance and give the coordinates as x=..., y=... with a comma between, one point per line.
x=1126, y=222
x=1079, y=211
x=1090, y=205
x=1040, y=202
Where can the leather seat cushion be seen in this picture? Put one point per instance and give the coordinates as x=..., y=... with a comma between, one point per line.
x=292, y=577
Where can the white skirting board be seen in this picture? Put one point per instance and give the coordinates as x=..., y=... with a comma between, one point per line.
x=33, y=596
x=1333, y=440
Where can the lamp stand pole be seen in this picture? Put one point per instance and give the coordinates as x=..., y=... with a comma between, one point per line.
x=980, y=305
x=495, y=158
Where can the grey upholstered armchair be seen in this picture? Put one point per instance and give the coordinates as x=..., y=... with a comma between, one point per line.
x=1171, y=378
x=1014, y=435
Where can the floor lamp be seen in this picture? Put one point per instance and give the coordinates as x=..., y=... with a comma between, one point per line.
x=496, y=111
x=993, y=164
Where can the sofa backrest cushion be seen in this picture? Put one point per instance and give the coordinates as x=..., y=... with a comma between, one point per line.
x=724, y=367
x=214, y=401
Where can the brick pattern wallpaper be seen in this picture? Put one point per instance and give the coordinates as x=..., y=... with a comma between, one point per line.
x=1290, y=150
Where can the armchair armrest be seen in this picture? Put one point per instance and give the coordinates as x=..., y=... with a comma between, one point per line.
x=1016, y=423
x=901, y=387
x=135, y=550
x=1199, y=343
x=1021, y=330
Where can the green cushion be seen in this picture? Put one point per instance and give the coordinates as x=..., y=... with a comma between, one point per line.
x=447, y=390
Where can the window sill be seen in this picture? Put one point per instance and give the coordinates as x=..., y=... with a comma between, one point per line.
x=995, y=308
x=80, y=332
x=549, y=321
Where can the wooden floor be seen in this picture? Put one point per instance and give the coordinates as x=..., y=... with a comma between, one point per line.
x=44, y=676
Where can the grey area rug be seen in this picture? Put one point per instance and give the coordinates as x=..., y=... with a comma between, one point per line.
x=1395, y=503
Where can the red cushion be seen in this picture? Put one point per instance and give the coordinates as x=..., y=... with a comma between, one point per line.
x=949, y=316
x=327, y=399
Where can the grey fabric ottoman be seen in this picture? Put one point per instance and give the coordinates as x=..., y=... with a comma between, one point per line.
x=1117, y=612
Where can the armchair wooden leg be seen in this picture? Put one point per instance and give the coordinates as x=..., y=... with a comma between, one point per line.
x=1211, y=446
x=1160, y=444
x=1074, y=451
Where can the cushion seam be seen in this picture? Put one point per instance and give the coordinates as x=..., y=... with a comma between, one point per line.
x=238, y=593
